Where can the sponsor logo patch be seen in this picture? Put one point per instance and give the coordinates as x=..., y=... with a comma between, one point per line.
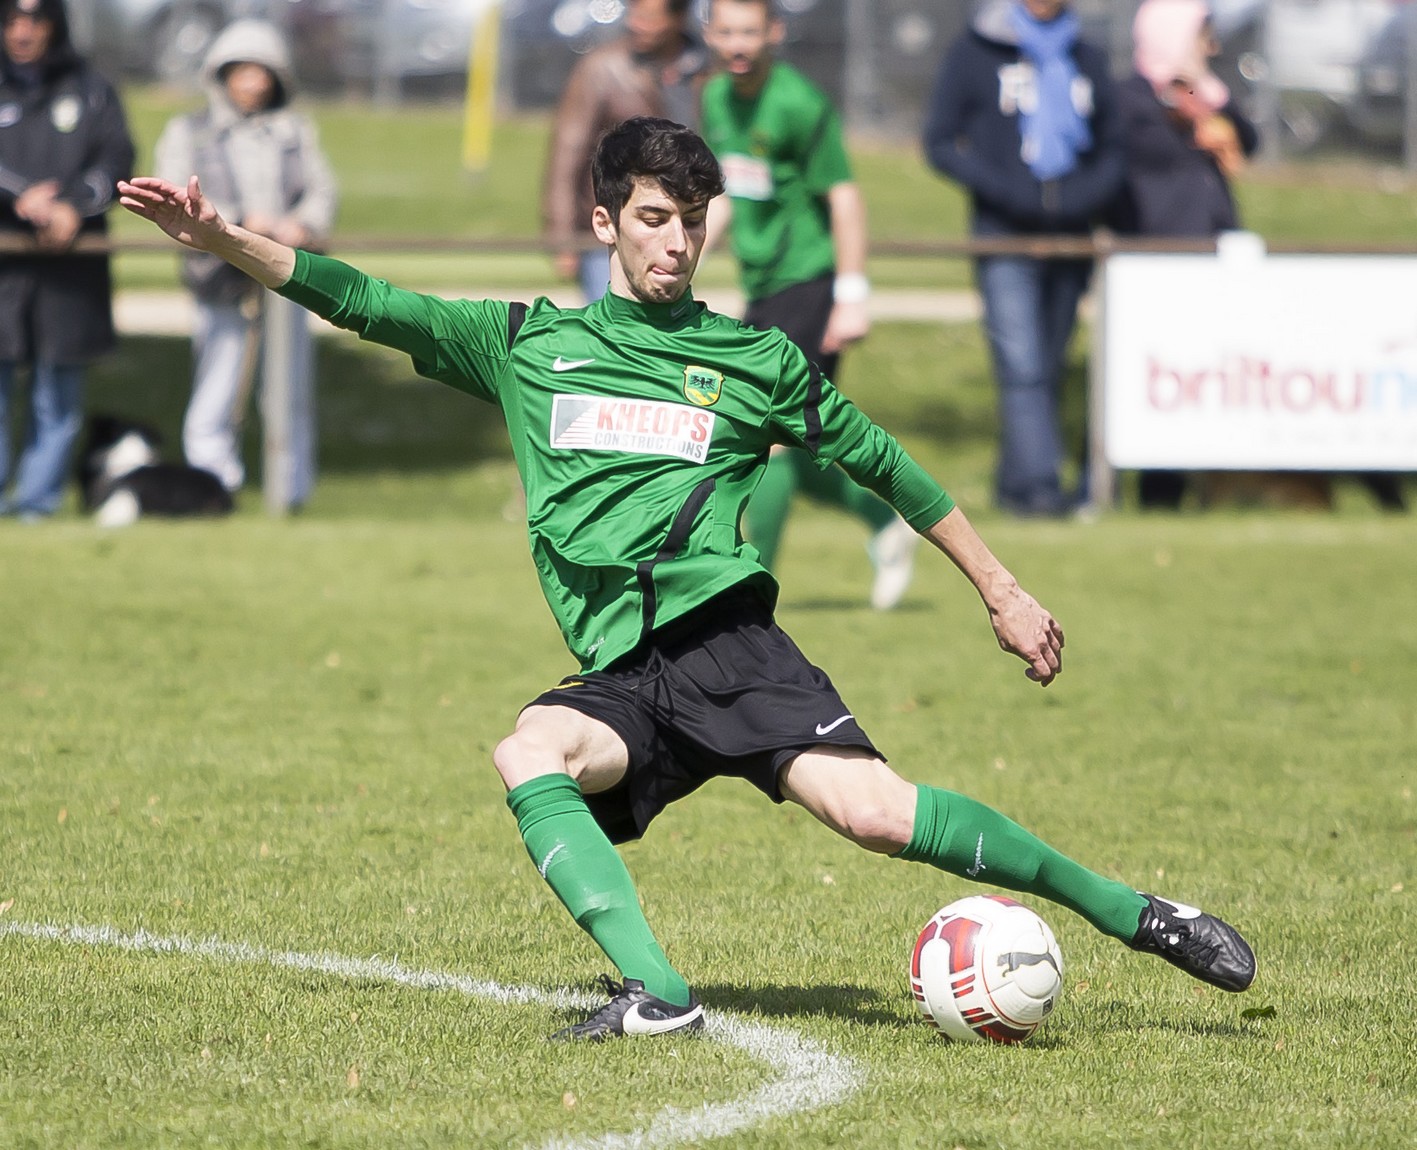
x=748, y=177
x=702, y=385
x=633, y=426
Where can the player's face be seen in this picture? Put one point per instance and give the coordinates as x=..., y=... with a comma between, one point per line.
x=27, y=38
x=651, y=27
x=657, y=243
x=1045, y=10
x=743, y=37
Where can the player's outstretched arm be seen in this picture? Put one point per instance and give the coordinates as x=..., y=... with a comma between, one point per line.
x=1023, y=627
x=191, y=219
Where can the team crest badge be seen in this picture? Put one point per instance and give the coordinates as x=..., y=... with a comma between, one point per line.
x=702, y=385
x=64, y=113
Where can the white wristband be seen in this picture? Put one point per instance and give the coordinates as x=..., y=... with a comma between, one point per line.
x=854, y=288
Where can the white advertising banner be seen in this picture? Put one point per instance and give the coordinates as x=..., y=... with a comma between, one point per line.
x=1245, y=361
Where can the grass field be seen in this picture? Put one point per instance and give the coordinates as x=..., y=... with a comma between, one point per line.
x=260, y=888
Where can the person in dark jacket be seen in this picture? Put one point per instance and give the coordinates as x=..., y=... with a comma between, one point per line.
x=64, y=145
x=1023, y=116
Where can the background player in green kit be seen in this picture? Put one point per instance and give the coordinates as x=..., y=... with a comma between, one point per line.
x=641, y=424
x=798, y=225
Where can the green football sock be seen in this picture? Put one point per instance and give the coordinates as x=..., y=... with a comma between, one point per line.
x=578, y=862
x=767, y=510
x=837, y=489
x=790, y=471
x=967, y=838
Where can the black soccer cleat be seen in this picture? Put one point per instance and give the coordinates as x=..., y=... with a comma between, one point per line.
x=1200, y=944
x=633, y=1010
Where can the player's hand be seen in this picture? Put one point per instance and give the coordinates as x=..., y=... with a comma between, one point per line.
x=1025, y=629
x=848, y=323
x=59, y=229
x=183, y=213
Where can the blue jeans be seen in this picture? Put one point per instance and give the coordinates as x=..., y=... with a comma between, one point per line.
x=56, y=415
x=595, y=273
x=1030, y=310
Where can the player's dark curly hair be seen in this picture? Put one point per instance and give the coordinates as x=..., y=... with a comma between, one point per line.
x=660, y=150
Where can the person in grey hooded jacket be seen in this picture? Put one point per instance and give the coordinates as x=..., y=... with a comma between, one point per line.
x=259, y=160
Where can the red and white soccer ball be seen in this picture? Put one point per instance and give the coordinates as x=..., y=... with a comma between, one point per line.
x=986, y=968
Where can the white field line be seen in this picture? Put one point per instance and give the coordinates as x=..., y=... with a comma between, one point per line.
x=808, y=1076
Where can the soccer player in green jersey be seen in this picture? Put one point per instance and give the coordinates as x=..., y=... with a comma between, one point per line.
x=797, y=221
x=641, y=424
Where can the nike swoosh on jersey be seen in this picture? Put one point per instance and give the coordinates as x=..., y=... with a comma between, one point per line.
x=830, y=727
x=634, y=1022
x=569, y=364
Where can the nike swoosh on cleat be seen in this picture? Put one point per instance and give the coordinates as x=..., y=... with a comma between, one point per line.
x=569, y=364
x=634, y=1022
x=830, y=727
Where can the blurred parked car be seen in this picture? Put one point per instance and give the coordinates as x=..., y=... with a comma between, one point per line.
x=158, y=39
x=336, y=43
x=1379, y=107
x=384, y=44
x=1312, y=54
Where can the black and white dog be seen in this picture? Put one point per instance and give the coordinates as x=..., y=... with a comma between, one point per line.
x=121, y=477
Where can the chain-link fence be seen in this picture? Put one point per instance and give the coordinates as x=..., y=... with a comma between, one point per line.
x=1314, y=74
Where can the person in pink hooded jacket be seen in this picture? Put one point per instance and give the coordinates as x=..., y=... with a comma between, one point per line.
x=1185, y=137
x=1184, y=141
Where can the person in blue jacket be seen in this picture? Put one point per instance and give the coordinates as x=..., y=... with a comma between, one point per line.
x=1022, y=115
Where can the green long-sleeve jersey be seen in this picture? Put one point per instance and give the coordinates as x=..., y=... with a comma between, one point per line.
x=640, y=431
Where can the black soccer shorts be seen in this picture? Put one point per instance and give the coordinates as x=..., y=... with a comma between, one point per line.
x=722, y=692
x=801, y=312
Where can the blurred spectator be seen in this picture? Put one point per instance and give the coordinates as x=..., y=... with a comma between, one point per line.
x=259, y=161
x=63, y=148
x=1023, y=116
x=653, y=70
x=1185, y=139
x=798, y=225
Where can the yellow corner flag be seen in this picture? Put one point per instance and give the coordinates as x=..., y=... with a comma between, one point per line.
x=479, y=108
